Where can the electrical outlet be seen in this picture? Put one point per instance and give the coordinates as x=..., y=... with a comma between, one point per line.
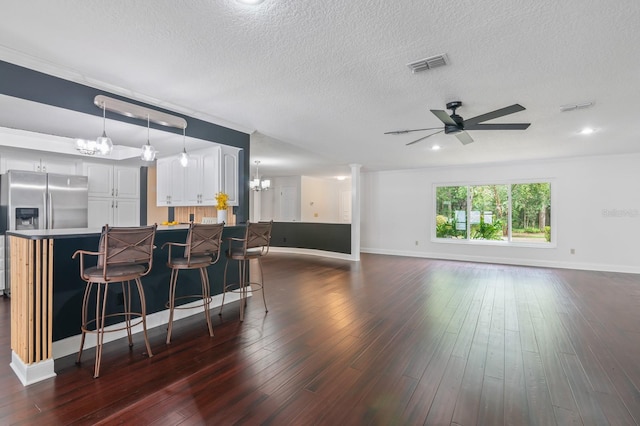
x=416, y=242
x=573, y=251
x=284, y=239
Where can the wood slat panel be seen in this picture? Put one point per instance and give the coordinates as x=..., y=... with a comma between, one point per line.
x=32, y=299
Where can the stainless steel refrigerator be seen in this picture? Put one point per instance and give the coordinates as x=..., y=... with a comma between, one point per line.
x=32, y=200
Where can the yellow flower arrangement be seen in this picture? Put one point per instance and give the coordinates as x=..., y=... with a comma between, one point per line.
x=221, y=199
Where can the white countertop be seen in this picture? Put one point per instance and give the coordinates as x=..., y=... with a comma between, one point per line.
x=36, y=234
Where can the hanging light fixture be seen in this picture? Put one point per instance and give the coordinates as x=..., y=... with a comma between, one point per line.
x=148, y=151
x=104, y=143
x=184, y=157
x=259, y=185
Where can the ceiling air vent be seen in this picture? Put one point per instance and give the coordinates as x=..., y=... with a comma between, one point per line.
x=428, y=63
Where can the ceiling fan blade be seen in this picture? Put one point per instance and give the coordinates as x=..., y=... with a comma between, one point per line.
x=494, y=114
x=464, y=137
x=402, y=132
x=423, y=138
x=498, y=126
x=443, y=116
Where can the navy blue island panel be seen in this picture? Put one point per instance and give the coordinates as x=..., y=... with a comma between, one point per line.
x=68, y=287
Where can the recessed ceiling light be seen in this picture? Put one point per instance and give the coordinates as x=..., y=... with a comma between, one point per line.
x=251, y=2
x=435, y=147
x=341, y=177
x=587, y=131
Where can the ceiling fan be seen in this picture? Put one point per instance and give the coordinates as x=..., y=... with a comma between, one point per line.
x=454, y=124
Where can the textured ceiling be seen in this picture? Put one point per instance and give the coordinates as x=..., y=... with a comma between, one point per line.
x=320, y=82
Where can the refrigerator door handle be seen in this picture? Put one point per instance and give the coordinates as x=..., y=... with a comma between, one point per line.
x=50, y=213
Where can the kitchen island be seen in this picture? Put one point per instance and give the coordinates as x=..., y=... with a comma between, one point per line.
x=47, y=291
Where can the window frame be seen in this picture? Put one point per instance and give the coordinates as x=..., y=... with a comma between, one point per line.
x=504, y=243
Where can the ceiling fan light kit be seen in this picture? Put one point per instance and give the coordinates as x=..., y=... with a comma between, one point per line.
x=458, y=126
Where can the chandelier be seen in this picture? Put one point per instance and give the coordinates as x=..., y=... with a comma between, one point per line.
x=259, y=185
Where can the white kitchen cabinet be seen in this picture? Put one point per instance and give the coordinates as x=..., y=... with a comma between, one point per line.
x=126, y=212
x=100, y=212
x=113, y=211
x=210, y=176
x=126, y=182
x=106, y=180
x=230, y=173
x=193, y=181
x=194, y=185
x=170, y=181
x=35, y=164
x=114, y=195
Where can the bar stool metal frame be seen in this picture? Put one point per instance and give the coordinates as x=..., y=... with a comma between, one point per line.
x=125, y=254
x=203, y=243
x=253, y=246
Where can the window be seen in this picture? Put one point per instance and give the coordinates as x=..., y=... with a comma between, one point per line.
x=515, y=213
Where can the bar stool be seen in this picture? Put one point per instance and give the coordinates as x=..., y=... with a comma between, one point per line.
x=202, y=245
x=253, y=246
x=124, y=255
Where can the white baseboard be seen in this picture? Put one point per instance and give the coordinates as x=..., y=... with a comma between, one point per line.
x=311, y=252
x=31, y=373
x=508, y=261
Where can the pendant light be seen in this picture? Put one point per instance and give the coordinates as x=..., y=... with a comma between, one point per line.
x=184, y=157
x=104, y=143
x=148, y=152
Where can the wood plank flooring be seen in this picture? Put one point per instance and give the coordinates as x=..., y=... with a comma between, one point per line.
x=387, y=341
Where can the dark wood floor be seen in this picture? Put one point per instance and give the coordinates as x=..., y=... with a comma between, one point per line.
x=389, y=340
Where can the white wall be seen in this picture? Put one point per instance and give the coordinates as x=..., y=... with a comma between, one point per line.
x=270, y=200
x=397, y=211
x=320, y=200
x=317, y=199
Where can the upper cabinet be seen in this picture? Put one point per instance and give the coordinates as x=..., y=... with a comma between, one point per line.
x=35, y=164
x=210, y=171
x=230, y=173
x=170, y=182
x=106, y=180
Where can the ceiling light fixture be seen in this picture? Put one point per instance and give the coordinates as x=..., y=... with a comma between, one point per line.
x=435, y=147
x=587, y=131
x=250, y=2
x=137, y=111
x=148, y=151
x=102, y=145
x=105, y=145
x=184, y=157
x=259, y=185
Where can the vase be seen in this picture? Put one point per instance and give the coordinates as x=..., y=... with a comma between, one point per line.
x=222, y=216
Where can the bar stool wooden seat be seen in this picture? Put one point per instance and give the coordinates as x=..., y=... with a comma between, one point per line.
x=253, y=246
x=124, y=255
x=201, y=250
